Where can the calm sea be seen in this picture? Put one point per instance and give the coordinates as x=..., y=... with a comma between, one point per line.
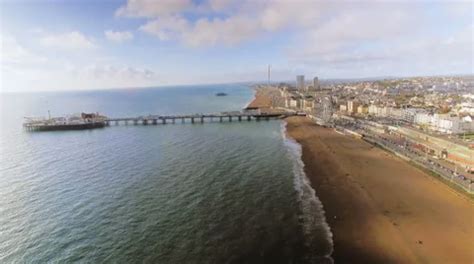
x=184, y=193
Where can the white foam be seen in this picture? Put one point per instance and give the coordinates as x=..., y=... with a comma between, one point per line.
x=313, y=215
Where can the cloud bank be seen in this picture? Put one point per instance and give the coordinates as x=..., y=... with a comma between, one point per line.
x=69, y=41
x=334, y=33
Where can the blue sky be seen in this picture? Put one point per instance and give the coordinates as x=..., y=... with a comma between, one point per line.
x=71, y=45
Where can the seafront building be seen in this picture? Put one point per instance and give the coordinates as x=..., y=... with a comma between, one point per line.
x=444, y=123
x=417, y=118
x=362, y=109
x=352, y=106
x=442, y=105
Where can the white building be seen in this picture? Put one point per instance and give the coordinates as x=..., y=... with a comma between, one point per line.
x=307, y=103
x=445, y=123
x=408, y=114
x=383, y=111
x=373, y=109
x=291, y=102
x=423, y=119
x=396, y=113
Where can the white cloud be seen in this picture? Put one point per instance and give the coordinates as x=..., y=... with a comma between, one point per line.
x=347, y=32
x=220, y=31
x=219, y=5
x=227, y=22
x=118, y=36
x=204, y=32
x=78, y=77
x=166, y=27
x=24, y=69
x=113, y=72
x=331, y=38
x=153, y=8
x=102, y=76
x=14, y=53
x=329, y=31
x=71, y=41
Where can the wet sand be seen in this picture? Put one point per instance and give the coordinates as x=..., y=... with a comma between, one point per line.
x=380, y=208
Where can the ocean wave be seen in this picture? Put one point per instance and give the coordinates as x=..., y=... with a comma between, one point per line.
x=317, y=233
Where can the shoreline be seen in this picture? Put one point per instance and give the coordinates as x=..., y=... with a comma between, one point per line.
x=254, y=96
x=261, y=100
x=385, y=212
x=315, y=226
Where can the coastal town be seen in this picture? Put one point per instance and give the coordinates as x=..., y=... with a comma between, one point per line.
x=428, y=120
x=391, y=161
x=225, y=131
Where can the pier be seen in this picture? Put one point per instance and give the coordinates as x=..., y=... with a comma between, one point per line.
x=197, y=118
x=91, y=121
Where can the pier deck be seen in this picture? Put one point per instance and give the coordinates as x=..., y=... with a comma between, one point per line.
x=197, y=118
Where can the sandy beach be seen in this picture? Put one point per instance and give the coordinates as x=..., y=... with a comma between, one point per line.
x=263, y=99
x=380, y=208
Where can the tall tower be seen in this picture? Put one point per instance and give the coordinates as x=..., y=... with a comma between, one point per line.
x=316, y=83
x=269, y=72
x=300, y=82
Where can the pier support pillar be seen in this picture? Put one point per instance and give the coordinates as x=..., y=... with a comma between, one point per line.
x=230, y=118
x=173, y=120
x=202, y=119
x=267, y=118
x=240, y=118
x=220, y=118
x=135, y=122
x=249, y=118
x=116, y=122
x=182, y=120
x=258, y=118
x=163, y=121
x=192, y=120
x=145, y=122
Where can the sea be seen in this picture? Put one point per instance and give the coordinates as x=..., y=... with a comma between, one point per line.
x=230, y=192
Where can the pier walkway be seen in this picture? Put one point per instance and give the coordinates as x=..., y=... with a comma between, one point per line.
x=198, y=118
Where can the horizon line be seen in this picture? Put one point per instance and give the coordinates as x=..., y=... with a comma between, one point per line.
x=371, y=78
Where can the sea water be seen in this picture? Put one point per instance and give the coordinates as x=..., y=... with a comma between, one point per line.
x=176, y=193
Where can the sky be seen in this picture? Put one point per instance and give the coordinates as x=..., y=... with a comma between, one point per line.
x=82, y=45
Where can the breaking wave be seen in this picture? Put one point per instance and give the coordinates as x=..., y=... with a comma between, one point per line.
x=317, y=233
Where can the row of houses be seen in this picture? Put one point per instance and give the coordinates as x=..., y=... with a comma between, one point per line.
x=443, y=123
x=300, y=101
